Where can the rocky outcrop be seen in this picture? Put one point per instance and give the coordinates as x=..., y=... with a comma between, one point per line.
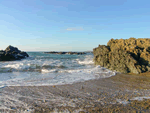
x=124, y=55
x=12, y=53
x=70, y=53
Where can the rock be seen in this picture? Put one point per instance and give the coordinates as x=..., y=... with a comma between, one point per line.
x=12, y=49
x=70, y=53
x=24, y=54
x=126, y=56
x=12, y=53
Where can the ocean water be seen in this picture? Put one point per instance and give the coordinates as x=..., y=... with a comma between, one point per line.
x=50, y=69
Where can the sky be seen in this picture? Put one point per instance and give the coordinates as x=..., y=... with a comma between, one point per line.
x=71, y=25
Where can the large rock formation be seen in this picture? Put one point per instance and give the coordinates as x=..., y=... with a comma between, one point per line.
x=12, y=53
x=127, y=56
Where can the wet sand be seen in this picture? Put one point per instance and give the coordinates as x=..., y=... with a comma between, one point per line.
x=114, y=94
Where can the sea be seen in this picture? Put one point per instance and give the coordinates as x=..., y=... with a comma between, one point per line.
x=50, y=69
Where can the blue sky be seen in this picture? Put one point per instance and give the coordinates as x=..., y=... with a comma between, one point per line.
x=71, y=25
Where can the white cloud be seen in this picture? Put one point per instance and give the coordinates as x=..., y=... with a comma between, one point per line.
x=75, y=29
x=71, y=29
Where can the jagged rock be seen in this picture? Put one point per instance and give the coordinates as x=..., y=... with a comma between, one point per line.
x=129, y=55
x=12, y=53
x=11, y=49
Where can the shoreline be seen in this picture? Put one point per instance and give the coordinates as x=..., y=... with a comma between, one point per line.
x=116, y=92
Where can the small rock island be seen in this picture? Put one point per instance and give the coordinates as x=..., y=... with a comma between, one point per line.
x=12, y=53
x=70, y=53
x=124, y=55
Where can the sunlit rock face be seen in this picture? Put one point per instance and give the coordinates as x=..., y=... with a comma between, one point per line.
x=124, y=55
x=12, y=53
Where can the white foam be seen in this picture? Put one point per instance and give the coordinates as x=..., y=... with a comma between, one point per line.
x=48, y=71
x=2, y=86
x=49, y=77
x=88, y=60
x=140, y=98
x=17, y=66
x=76, y=69
x=122, y=102
x=85, y=62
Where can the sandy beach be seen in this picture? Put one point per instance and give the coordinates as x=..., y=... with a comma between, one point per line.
x=119, y=93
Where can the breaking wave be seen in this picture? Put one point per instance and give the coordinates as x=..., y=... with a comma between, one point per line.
x=48, y=69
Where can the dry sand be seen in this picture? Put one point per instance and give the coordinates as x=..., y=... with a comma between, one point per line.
x=114, y=94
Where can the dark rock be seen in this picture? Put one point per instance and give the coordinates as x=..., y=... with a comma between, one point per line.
x=2, y=52
x=70, y=53
x=24, y=54
x=11, y=49
x=12, y=53
x=127, y=56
